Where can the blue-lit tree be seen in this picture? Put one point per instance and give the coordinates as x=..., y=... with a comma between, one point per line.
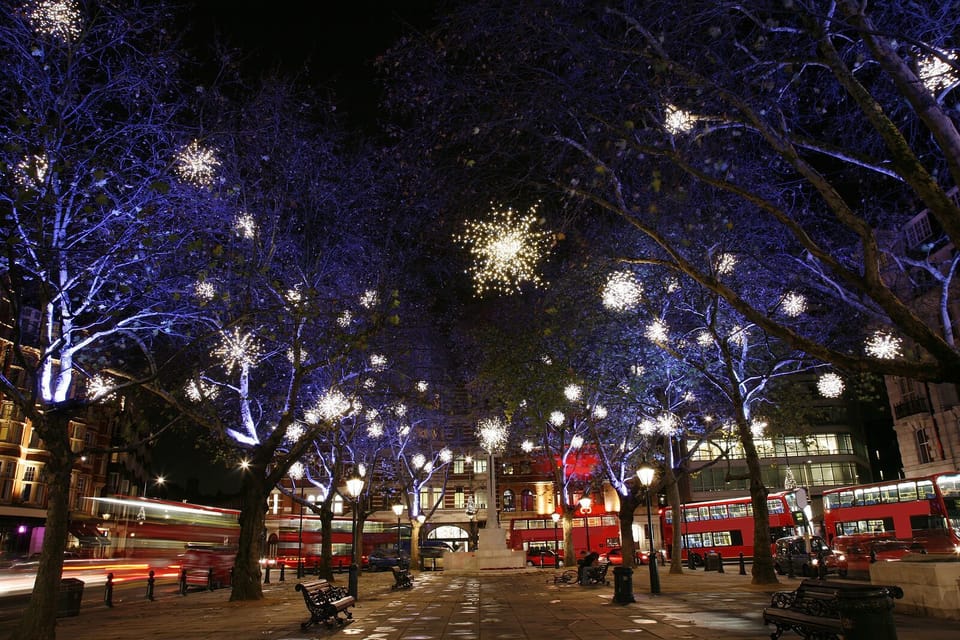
x=98, y=233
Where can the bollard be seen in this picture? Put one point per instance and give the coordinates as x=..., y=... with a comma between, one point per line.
x=300, y=570
x=719, y=562
x=108, y=591
x=183, y=582
x=339, y=566
x=623, y=585
x=690, y=563
x=210, y=579
x=283, y=568
x=266, y=576
x=541, y=558
x=743, y=567
x=352, y=582
x=790, y=568
x=316, y=567
x=150, y=581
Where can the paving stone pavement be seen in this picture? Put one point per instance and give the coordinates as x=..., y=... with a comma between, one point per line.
x=486, y=606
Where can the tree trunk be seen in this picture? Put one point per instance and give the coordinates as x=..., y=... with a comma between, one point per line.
x=762, y=571
x=414, y=544
x=326, y=544
x=628, y=504
x=253, y=510
x=40, y=617
x=676, y=545
x=569, y=559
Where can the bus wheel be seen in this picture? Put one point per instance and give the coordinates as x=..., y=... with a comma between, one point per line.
x=529, y=563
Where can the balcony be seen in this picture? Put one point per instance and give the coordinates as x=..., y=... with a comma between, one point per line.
x=911, y=406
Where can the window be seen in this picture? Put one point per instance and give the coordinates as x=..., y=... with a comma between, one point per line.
x=7, y=471
x=924, y=447
x=526, y=500
x=508, y=504
x=459, y=502
x=479, y=465
x=31, y=491
x=458, y=464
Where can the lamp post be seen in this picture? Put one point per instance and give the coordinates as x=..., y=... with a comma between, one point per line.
x=158, y=481
x=355, y=488
x=585, y=503
x=398, y=510
x=645, y=474
x=556, y=540
x=300, y=538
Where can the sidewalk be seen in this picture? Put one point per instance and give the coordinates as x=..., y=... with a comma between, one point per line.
x=522, y=604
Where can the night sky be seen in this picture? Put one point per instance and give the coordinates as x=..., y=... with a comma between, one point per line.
x=335, y=41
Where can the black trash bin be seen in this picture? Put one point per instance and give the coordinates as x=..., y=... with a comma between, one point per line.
x=623, y=585
x=866, y=610
x=71, y=593
x=711, y=561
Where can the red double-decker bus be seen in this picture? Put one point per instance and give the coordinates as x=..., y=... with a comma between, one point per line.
x=726, y=526
x=300, y=538
x=598, y=533
x=924, y=510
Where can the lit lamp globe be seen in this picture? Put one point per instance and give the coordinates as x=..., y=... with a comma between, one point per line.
x=397, y=510
x=354, y=487
x=645, y=475
x=555, y=516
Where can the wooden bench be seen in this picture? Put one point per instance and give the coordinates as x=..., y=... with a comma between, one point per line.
x=813, y=610
x=595, y=575
x=325, y=603
x=401, y=578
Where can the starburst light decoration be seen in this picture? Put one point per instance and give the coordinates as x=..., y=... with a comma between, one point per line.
x=637, y=370
x=378, y=362
x=445, y=455
x=369, y=299
x=404, y=430
x=505, y=250
x=199, y=390
x=737, y=335
x=204, y=290
x=547, y=360
x=725, y=264
x=794, y=304
x=557, y=418
x=245, y=226
x=576, y=442
x=369, y=384
x=572, y=392
x=375, y=429
x=526, y=446
x=757, y=427
x=99, y=388
x=647, y=427
x=31, y=171
x=621, y=291
x=705, y=339
x=333, y=404
x=657, y=332
x=237, y=349
x=422, y=386
x=667, y=424
x=345, y=319
x=418, y=461
x=830, y=385
x=197, y=164
x=294, y=432
x=599, y=412
x=57, y=18
x=883, y=345
x=294, y=296
x=399, y=409
x=677, y=120
x=296, y=470
x=936, y=73
x=492, y=434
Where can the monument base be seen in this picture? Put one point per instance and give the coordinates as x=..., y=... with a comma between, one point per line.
x=492, y=554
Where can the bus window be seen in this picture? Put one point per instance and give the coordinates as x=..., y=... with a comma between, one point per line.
x=704, y=513
x=888, y=494
x=774, y=506
x=738, y=510
x=845, y=498
x=907, y=491
x=718, y=512
x=691, y=515
x=925, y=489
x=871, y=495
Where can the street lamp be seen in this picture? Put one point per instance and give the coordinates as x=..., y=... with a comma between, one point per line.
x=645, y=474
x=556, y=540
x=158, y=481
x=398, y=510
x=355, y=488
x=585, y=503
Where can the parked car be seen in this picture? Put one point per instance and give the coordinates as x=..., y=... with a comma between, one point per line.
x=543, y=557
x=434, y=549
x=792, y=556
x=383, y=559
x=857, y=553
x=615, y=557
